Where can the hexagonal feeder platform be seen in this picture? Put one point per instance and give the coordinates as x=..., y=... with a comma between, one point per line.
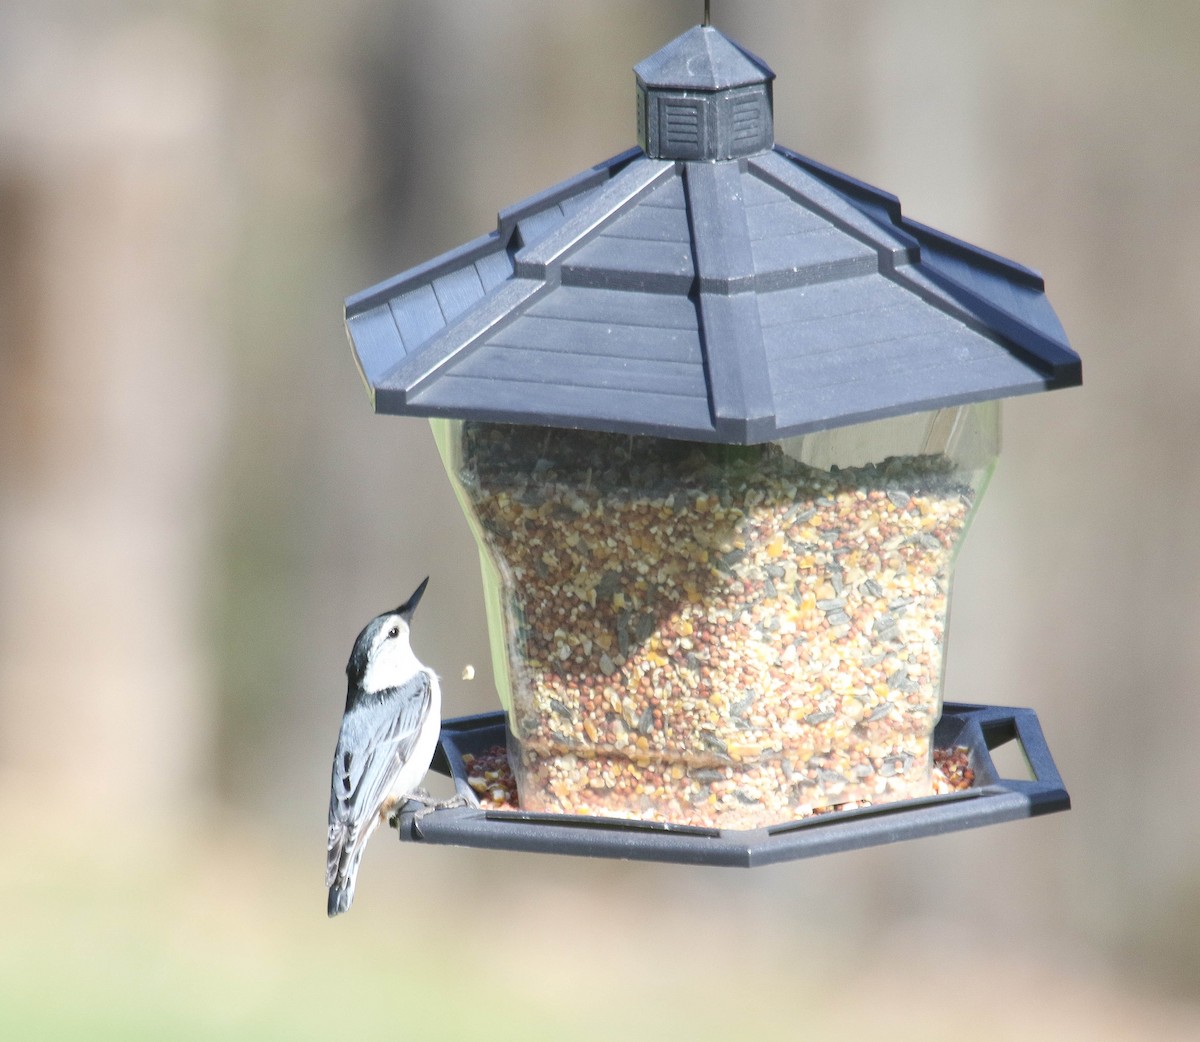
x=991, y=800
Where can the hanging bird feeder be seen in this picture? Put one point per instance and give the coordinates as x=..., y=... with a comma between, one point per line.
x=720, y=418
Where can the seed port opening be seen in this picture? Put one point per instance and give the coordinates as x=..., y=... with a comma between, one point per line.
x=1008, y=754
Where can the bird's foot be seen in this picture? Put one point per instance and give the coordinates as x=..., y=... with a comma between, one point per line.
x=430, y=805
x=397, y=808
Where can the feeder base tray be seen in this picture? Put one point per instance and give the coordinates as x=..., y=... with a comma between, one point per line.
x=979, y=729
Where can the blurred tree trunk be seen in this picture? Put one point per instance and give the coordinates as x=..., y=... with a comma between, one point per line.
x=110, y=403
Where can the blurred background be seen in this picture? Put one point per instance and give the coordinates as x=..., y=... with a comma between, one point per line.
x=198, y=512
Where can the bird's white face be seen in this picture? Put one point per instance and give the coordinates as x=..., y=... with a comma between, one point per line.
x=390, y=661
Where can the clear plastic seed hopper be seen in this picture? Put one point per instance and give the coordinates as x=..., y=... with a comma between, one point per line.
x=719, y=418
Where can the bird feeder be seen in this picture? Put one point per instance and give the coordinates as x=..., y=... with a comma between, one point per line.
x=719, y=418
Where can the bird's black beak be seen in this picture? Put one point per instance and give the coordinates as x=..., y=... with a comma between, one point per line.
x=409, y=606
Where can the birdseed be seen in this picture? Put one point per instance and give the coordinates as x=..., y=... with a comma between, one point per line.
x=491, y=777
x=714, y=635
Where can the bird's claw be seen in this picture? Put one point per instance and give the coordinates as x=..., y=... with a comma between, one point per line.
x=430, y=805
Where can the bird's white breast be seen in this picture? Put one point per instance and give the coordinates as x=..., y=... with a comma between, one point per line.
x=416, y=766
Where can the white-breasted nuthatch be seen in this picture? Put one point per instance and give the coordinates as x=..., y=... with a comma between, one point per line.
x=389, y=732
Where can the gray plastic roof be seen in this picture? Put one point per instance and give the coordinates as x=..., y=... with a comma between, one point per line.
x=737, y=300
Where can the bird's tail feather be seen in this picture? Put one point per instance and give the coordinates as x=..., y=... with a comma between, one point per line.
x=341, y=870
x=340, y=898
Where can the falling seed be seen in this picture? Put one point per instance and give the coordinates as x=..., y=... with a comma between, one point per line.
x=468, y=672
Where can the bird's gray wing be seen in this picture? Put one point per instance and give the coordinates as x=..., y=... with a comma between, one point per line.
x=376, y=739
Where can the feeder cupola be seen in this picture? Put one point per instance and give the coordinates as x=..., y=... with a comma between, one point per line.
x=702, y=97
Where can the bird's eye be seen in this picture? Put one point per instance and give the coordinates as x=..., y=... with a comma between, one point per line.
x=394, y=631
